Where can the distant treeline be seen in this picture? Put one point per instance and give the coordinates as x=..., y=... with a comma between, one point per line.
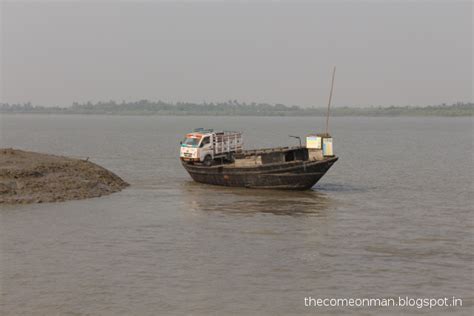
x=234, y=108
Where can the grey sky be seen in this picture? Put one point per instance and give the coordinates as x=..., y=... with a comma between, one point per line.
x=400, y=53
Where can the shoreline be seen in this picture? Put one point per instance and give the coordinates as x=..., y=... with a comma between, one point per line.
x=31, y=177
x=238, y=115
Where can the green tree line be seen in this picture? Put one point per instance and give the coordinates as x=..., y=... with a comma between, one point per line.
x=235, y=108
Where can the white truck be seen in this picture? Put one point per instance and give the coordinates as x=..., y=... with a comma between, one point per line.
x=206, y=145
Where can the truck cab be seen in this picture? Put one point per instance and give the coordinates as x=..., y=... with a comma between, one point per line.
x=196, y=146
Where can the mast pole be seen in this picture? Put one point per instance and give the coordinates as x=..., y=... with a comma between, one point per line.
x=330, y=98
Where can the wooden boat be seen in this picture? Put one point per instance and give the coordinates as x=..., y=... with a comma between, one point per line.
x=217, y=158
x=290, y=168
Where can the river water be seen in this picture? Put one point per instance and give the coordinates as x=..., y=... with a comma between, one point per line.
x=393, y=217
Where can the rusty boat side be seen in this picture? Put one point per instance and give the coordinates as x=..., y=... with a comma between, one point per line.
x=291, y=175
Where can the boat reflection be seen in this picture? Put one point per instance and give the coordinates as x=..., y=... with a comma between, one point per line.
x=208, y=198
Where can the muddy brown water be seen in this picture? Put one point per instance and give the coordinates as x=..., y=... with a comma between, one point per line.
x=393, y=217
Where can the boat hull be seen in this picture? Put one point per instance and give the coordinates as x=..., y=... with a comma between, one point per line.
x=297, y=175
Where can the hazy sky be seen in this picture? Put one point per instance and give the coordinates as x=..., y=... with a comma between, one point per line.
x=386, y=52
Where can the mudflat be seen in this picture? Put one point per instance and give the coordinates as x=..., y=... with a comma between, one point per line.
x=30, y=177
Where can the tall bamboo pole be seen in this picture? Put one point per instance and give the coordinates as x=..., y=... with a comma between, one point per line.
x=329, y=102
